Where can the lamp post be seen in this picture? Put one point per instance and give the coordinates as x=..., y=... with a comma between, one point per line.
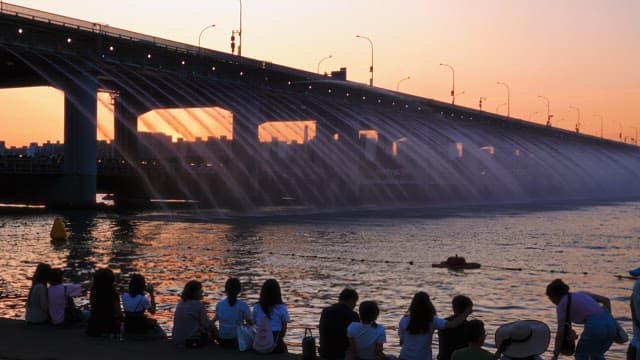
x=453, y=82
x=482, y=98
x=636, y=138
x=548, y=114
x=200, y=36
x=578, y=123
x=371, y=67
x=601, y=124
x=508, y=97
x=240, y=32
x=401, y=80
x=320, y=62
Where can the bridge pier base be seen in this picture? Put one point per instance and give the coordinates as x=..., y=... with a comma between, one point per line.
x=76, y=188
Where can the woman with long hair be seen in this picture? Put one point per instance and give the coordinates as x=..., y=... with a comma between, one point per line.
x=37, y=306
x=191, y=324
x=271, y=308
x=416, y=328
x=231, y=312
x=592, y=310
x=104, y=302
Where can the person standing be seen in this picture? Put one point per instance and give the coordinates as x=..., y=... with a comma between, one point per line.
x=452, y=339
x=592, y=310
x=334, y=321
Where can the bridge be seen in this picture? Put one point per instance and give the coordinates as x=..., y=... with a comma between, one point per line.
x=424, y=151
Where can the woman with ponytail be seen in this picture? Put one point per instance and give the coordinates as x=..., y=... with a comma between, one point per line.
x=231, y=312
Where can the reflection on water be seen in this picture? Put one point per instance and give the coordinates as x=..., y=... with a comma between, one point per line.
x=385, y=255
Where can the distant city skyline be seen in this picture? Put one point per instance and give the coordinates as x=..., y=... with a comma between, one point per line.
x=581, y=54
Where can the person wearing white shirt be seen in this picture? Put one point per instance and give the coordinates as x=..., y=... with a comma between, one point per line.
x=366, y=338
x=231, y=312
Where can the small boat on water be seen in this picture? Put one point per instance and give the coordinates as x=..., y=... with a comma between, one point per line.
x=456, y=263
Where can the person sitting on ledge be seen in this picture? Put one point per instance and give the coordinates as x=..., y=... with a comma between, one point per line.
x=59, y=294
x=231, y=312
x=452, y=339
x=476, y=334
x=137, y=325
x=334, y=321
x=37, y=306
x=105, y=312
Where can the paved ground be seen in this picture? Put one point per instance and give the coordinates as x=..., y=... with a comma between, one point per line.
x=19, y=341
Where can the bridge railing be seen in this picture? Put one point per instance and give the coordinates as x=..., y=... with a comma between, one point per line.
x=105, y=29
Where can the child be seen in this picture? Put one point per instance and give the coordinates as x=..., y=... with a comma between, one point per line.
x=366, y=338
x=231, y=313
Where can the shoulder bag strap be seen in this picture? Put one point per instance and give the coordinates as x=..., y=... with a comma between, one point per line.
x=567, y=321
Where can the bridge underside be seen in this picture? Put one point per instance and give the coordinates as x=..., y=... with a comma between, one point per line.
x=425, y=151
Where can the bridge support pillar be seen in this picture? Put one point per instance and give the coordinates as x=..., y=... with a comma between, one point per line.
x=126, y=111
x=77, y=186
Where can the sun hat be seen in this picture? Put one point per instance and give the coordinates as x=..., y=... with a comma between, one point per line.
x=523, y=338
x=635, y=272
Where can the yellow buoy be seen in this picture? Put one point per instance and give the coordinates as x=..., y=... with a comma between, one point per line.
x=58, y=233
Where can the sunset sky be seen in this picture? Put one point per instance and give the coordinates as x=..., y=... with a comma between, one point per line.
x=580, y=53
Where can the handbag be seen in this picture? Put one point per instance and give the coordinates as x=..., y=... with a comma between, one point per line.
x=568, y=345
x=245, y=335
x=308, y=345
x=621, y=335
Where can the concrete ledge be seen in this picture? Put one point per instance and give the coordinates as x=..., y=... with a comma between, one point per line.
x=19, y=341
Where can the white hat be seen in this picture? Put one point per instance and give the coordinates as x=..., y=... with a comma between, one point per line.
x=524, y=338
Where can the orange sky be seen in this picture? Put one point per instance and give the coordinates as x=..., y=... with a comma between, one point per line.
x=581, y=53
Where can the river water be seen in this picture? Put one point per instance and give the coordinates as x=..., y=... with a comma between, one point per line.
x=386, y=255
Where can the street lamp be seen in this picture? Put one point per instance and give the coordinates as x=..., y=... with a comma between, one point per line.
x=508, y=97
x=200, y=36
x=548, y=114
x=321, y=60
x=401, y=80
x=453, y=82
x=578, y=123
x=240, y=32
x=482, y=98
x=601, y=124
x=371, y=67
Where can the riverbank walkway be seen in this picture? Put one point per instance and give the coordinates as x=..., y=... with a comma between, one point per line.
x=19, y=341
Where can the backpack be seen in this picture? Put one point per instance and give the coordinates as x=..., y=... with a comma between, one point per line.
x=263, y=342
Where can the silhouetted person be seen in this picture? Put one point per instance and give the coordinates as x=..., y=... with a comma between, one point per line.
x=476, y=334
x=104, y=302
x=37, y=306
x=334, y=321
x=58, y=293
x=136, y=324
x=416, y=329
x=452, y=339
